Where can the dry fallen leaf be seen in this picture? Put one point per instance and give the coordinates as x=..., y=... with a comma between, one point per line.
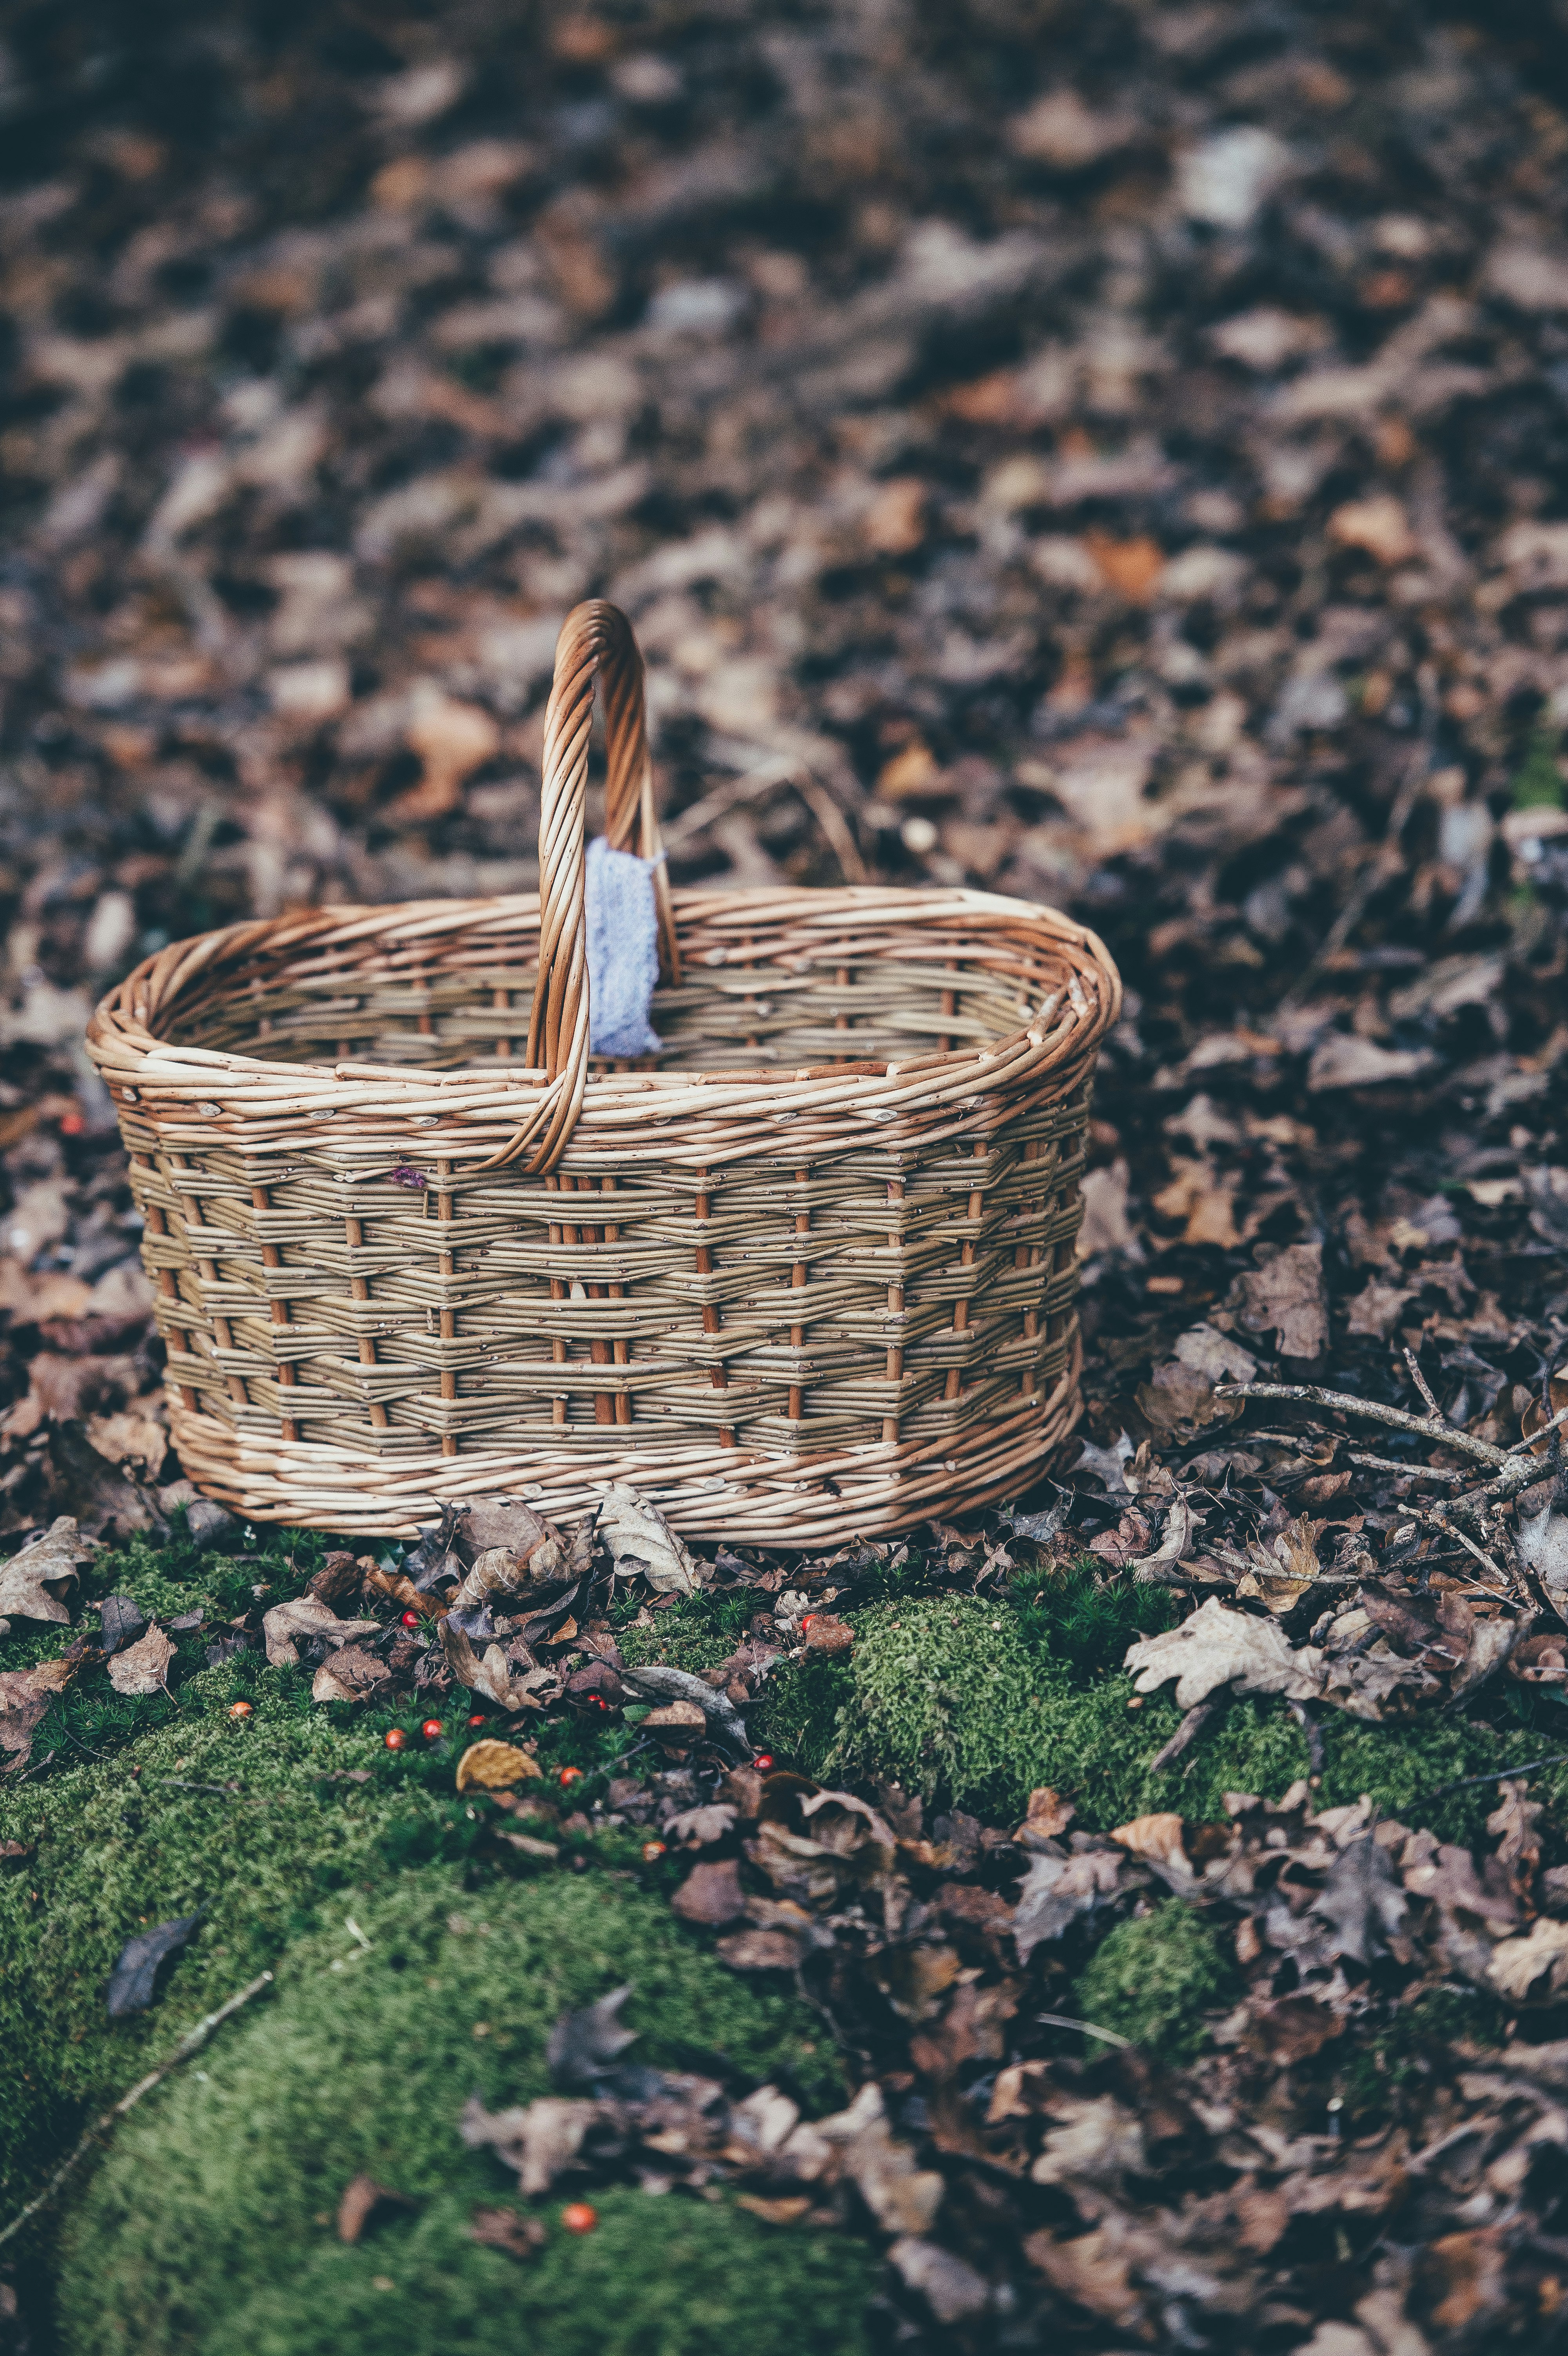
x=1158, y=1837
x=1219, y=1646
x=362, y=2196
x=711, y=1894
x=351, y=1674
x=641, y=1541
x=492, y=1766
x=1518, y=1965
x=306, y=1616
x=142, y=1667
x=540, y=2140
x=50, y=1562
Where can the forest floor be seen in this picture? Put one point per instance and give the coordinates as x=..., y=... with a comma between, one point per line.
x=1111, y=456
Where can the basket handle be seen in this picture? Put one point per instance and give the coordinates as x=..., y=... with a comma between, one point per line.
x=595, y=643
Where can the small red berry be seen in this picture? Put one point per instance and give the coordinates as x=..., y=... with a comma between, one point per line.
x=764, y=1759
x=569, y=1775
x=477, y=1718
x=433, y=1729
x=71, y=1124
x=411, y=1619
x=651, y=1852
x=578, y=2218
x=395, y=1739
x=240, y=1709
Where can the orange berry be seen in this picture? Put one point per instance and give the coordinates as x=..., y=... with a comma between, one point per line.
x=433, y=1729
x=240, y=1709
x=569, y=1775
x=578, y=2218
x=651, y=1852
x=395, y=1739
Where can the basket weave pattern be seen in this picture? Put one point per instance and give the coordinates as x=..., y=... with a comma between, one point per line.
x=808, y=1275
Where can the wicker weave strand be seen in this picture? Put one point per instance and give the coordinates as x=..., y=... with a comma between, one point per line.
x=806, y=1275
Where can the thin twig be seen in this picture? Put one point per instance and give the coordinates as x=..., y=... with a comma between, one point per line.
x=1497, y=1775
x=1344, y=1403
x=1186, y=1735
x=1063, y=2020
x=1440, y=1521
x=1407, y=1472
x=1422, y=1386
x=191, y=2043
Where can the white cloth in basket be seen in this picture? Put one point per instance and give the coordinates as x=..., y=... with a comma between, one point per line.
x=623, y=951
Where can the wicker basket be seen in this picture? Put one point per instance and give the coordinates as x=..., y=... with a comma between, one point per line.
x=806, y=1275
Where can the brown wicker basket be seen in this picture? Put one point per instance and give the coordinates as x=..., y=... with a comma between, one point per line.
x=808, y=1275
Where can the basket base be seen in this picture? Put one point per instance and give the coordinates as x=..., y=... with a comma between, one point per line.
x=734, y=1495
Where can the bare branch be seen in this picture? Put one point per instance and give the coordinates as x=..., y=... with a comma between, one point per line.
x=1422, y=1386
x=1406, y=1471
x=1342, y=1402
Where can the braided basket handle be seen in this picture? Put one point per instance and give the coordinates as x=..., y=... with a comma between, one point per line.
x=596, y=644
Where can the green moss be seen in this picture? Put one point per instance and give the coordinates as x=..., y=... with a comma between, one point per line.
x=1083, y=1621
x=965, y=1700
x=1420, y=2039
x=1537, y=783
x=670, y=2277
x=1154, y=1979
x=209, y=2224
x=125, y=1842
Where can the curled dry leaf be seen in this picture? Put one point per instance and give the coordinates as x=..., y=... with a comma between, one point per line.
x=306, y=1616
x=493, y=1766
x=541, y=2141
x=142, y=1667
x=1536, y=1964
x=711, y=1894
x=1177, y=1541
x=518, y=1552
x=641, y=1541
x=1159, y=1838
x=1219, y=1646
x=24, y=1701
x=29, y=1581
x=1049, y=1815
x=363, y=2196
x=490, y=1675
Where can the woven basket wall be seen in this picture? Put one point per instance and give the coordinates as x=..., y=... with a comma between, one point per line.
x=807, y=1275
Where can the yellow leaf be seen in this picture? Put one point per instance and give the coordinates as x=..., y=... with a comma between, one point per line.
x=491, y=1766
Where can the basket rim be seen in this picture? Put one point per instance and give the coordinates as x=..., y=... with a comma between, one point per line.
x=202, y=1097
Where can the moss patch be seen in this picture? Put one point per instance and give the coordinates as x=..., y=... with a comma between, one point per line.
x=1154, y=1979
x=668, y=2277
x=119, y=1844
x=963, y=1700
x=209, y=2222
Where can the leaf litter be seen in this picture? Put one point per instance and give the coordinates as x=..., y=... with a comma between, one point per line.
x=1154, y=517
